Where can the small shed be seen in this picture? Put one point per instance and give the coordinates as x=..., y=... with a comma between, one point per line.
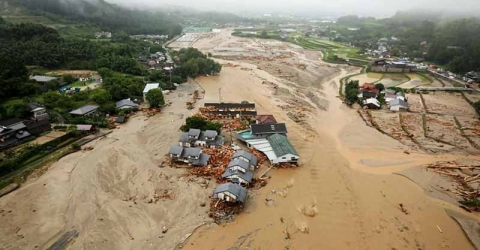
x=84, y=127
x=398, y=105
x=121, y=119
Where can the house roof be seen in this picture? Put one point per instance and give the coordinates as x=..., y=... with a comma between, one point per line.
x=240, y=163
x=34, y=105
x=373, y=101
x=176, y=150
x=22, y=134
x=84, y=110
x=247, y=176
x=221, y=105
x=398, y=102
x=265, y=119
x=192, y=151
x=241, y=153
x=210, y=133
x=281, y=145
x=125, y=102
x=232, y=113
x=43, y=78
x=184, y=137
x=268, y=128
x=202, y=160
x=194, y=132
x=368, y=94
x=85, y=127
x=10, y=121
x=150, y=86
x=237, y=190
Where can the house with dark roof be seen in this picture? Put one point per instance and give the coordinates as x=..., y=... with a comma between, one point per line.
x=192, y=156
x=198, y=138
x=86, y=110
x=284, y=150
x=238, y=177
x=126, y=104
x=230, y=192
x=265, y=119
x=247, y=157
x=239, y=165
x=12, y=132
x=38, y=111
x=264, y=130
x=36, y=127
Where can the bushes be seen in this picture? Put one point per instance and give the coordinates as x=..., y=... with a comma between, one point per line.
x=351, y=92
x=155, y=98
x=200, y=123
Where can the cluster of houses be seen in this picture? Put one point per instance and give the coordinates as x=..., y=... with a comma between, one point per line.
x=158, y=61
x=369, y=95
x=15, y=130
x=188, y=151
x=270, y=137
x=239, y=174
x=398, y=65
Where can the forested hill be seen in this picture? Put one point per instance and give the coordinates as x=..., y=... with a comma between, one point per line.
x=450, y=40
x=102, y=14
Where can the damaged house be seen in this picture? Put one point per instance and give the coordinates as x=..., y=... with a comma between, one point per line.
x=192, y=156
x=230, y=192
x=246, y=157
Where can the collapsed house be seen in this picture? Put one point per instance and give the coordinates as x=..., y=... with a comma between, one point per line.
x=238, y=177
x=231, y=110
x=198, y=138
x=230, y=192
x=192, y=156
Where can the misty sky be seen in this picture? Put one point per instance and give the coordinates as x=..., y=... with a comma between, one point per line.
x=378, y=8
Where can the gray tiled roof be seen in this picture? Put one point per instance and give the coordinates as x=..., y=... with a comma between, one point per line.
x=43, y=78
x=184, y=138
x=237, y=190
x=125, y=102
x=398, y=102
x=194, y=132
x=247, y=176
x=84, y=110
x=210, y=133
x=192, y=152
x=240, y=163
x=268, y=128
x=175, y=150
x=241, y=153
x=202, y=160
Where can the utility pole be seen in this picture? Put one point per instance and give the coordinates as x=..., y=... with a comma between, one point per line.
x=220, y=94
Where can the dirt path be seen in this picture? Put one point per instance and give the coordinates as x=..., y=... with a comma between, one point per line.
x=331, y=204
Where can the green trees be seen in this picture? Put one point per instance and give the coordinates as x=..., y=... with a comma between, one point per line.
x=155, y=98
x=380, y=86
x=69, y=79
x=193, y=63
x=200, y=123
x=351, y=92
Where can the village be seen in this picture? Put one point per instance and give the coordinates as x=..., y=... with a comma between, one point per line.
x=216, y=165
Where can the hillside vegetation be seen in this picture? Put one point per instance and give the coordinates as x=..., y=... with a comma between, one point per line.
x=96, y=13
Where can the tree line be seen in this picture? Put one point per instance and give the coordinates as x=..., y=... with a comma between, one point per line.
x=452, y=42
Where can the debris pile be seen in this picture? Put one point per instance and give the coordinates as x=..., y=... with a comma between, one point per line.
x=219, y=160
x=467, y=178
x=223, y=212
